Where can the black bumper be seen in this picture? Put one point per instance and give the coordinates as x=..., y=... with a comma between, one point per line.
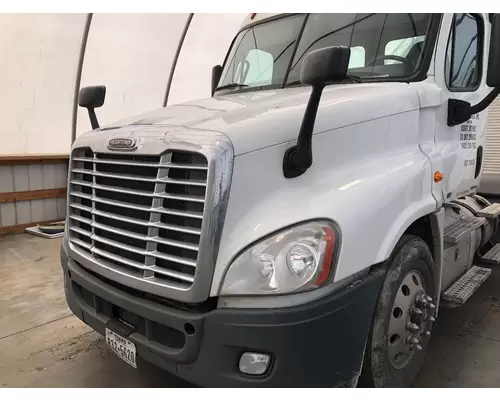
x=319, y=344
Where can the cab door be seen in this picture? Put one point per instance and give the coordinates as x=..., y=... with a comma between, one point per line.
x=460, y=72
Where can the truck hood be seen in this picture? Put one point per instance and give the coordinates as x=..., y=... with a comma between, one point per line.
x=261, y=119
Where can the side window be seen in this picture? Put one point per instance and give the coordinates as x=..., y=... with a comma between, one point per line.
x=403, y=47
x=463, y=55
x=358, y=57
x=256, y=69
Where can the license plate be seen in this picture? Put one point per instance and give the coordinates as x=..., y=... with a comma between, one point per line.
x=122, y=347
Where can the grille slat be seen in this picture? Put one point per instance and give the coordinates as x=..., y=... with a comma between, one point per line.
x=81, y=243
x=119, y=259
x=120, y=189
x=81, y=195
x=175, y=259
x=141, y=213
x=81, y=219
x=122, y=260
x=137, y=236
x=141, y=178
x=80, y=207
x=119, y=245
x=136, y=221
x=81, y=231
x=143, y=164
x=161, y=210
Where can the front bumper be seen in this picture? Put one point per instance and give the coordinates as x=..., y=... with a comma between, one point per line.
x=319, y=344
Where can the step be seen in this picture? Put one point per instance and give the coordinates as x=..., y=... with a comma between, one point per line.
x=492, y=256
x=492, y=211
x=458, y=293
x=481, y=199
x=455, y=232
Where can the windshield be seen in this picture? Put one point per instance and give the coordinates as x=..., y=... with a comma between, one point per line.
x=383, y=46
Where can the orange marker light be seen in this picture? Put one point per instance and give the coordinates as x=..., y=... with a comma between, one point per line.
x=329, y=252
x=438, y=176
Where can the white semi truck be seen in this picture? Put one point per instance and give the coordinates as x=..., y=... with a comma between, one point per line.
x=302, y=226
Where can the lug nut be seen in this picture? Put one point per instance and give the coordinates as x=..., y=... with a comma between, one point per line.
x=412, y=340
x=413, y=327
x=429, y=298
x=432, y=319
x=417, y=347
x=431, y=306
x=416, y=311
x=427, y=333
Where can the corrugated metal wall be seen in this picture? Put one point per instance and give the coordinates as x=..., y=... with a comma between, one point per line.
x=492, y=150
x=19, y=178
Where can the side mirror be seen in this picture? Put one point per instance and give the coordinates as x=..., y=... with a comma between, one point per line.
x=92, y=97
x=493, y=77
x=319, y=68
x=216, y=74
x=460, y=111
x=325, y=65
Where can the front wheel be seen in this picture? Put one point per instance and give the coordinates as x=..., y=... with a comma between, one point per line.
x=403, y=317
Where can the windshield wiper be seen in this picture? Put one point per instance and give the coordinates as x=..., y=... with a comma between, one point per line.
x=352, y=78
x=231, y=86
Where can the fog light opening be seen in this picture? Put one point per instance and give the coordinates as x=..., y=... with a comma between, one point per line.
x=254, y=363
x=189, y=329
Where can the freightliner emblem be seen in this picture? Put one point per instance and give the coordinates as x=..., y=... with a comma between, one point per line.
x=122, y=144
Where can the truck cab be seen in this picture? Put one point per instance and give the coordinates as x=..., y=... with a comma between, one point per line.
x=304, y=224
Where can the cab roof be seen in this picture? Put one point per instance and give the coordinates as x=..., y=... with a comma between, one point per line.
x=251, y=19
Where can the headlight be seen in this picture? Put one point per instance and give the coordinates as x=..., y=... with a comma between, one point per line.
x=294, y=260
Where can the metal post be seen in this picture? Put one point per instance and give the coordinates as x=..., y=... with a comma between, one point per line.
x=176, y=57
x=78, y=77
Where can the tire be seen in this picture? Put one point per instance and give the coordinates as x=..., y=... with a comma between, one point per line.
x=411, y=259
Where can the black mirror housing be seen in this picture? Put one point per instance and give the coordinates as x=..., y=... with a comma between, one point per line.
x=216, y=74
x=92, y=96
x=324, y=65
x=319, y=68
x=493, y=76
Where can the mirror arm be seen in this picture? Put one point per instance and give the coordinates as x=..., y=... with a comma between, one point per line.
x=460, y=111
x=93, y=119
x=298, y=158
x=216, y=75
x=483, y=104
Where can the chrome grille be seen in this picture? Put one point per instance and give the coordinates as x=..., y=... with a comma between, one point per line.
x=141, y=214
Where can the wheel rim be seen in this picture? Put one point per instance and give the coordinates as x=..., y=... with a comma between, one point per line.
x=410, y=325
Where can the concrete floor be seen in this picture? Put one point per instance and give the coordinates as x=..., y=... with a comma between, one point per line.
x=43, y=345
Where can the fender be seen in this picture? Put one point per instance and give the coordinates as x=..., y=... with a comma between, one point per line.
x=404, y=220
x=371, y=179
x=435, y=223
